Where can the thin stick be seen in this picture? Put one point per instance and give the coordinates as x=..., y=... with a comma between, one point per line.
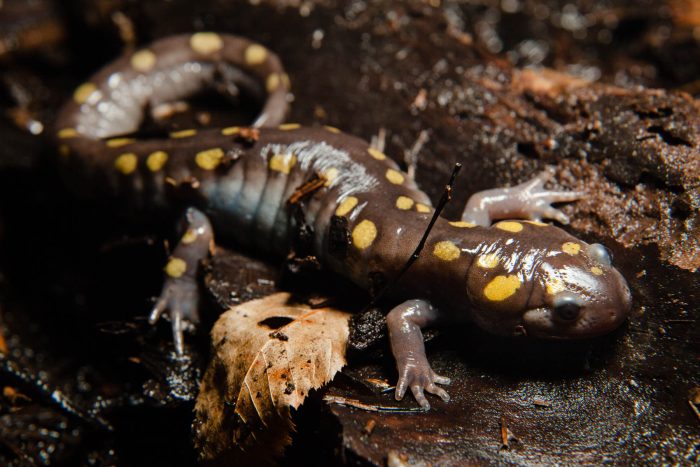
x=694, y=409
x=54, y=397
x=504, y=433
x=411, y=156
x=354, y=403
x=444, y=199
x=379, y=140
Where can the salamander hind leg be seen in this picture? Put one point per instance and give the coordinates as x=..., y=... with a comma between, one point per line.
x=179, y=298
x=405, y=322
x=529, y=200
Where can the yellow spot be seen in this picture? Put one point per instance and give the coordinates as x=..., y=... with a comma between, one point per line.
x=597, y=271
x=420, y=207
x=347, y=205
x=272, y=82
x=156, y=160
x=501, y=287
x=189, y=237
x=232, y=130
x=143, y=60
x=364, y=234
x=510, y=226
x=63, y=150
x=285, y=80
x=83, y=91
x=379, y=155
x=571, y=248
x=488, y=261
x=67, y=133
x=446, y=251
x=209, y=159
x=206, y=42
x=394, y=176
x=176, y=267
x=126, y=163
x=404, y=203
x=330, y=175
x=289, y=126
x=283, y=162
x=332, y=129
x=183, y=133
x=118, y=142
x=462, y=224
x=255, y=54
x=555, y=285
x=538, y=223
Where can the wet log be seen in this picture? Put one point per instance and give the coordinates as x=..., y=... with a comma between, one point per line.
x=634, y=150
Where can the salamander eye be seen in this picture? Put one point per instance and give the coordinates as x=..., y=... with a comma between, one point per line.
x=599, y=253
x=566, y=308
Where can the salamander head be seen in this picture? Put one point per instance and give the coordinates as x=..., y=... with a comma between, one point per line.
x=554, y=286
x=577, y=297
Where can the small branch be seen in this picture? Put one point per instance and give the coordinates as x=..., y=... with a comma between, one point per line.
x=52, y=397
x=694, y=408
x=356, y=404
x=411, y=156
x=379, y=140
x=444, y=199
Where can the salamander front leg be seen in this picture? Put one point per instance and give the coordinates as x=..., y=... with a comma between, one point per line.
x=529, y=200
x=179, y=298
x=405, y=322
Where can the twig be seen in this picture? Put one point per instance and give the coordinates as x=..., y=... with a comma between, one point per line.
x=411, y=156
x=504, y=433
x=369, y=427
x=379, y=140
x=444, y=199
x=307, y=188
x=354, y=403
x=53, y=397
x=694, y=408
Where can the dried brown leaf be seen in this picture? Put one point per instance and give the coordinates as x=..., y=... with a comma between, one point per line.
x=268, y=355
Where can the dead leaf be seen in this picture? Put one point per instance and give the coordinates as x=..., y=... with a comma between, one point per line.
x=268, y=355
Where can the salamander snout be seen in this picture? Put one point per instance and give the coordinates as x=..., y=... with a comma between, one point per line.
x=577, y=297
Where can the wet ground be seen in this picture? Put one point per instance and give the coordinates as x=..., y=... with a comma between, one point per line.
x=75, y=279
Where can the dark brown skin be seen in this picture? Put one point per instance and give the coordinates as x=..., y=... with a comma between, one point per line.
x=366, y=215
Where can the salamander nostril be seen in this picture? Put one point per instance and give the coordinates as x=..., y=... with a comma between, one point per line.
x=626, y=298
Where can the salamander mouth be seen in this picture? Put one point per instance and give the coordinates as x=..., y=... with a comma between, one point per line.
x=580, y=317
x=540, y=323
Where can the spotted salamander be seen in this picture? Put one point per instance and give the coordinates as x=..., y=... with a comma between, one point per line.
x=364, y=214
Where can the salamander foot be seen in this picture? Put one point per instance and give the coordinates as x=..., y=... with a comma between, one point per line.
x=404, y=323
x=179, y=300
x=529, y=200
x=420, y=378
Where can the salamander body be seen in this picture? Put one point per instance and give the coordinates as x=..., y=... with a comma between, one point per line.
x=259, y=186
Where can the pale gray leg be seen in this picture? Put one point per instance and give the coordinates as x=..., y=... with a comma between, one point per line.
x=410, y=156
x=405, y=322
x=528, y=200
x=179, y=299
